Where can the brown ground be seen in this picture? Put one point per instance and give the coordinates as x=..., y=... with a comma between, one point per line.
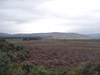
x=62, y=54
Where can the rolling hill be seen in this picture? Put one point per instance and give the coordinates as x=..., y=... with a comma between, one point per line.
x=95, y=35
x=57, y=35
x=54, y=35
x=4, y=35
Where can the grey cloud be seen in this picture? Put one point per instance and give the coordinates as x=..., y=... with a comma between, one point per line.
x=20, y=10
x=85, y=28
x=86, y=23
x=7, y=28
x=17, y=15
x=89, y=15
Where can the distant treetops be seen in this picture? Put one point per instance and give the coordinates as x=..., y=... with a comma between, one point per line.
x=32, y=38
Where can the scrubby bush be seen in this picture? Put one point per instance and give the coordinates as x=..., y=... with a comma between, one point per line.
x=27, y=50
x=20, y=71
x=3, y=46
x=31, y=69
x=16, y=47
x=2, y=40
x=16, y=65
x=40, y=70
x=5, y=64
x=22, y=56
x=27, y=67
x=20, y=47
x=11, y=55
x=89, y=69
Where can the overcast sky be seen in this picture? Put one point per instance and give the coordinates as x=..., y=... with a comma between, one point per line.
x=39, y=16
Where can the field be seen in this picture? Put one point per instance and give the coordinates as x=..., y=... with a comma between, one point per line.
x=62, y=54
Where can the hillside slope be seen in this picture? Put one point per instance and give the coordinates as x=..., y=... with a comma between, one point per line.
x=54, y=35
x=95, y=36
x=65, y=35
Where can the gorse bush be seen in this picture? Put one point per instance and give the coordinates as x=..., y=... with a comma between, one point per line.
x=40, y=70
x=8, y=57
x=27, y=67
x=2, y=40
x=22, y=56
x=5, y=64
x=18, y=72
x=3, y=46
x=20, y=47
x=11, y=55
x=89, y=69
x=17, y=47
x=32, y=69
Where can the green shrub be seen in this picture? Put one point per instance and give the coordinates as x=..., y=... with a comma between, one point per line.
x=2, y=40
x=16, y=47
x=2, y=45
x=97, y=67
x=40, y=70
x=5, y=64
x=22, y=56
x=27, y=67
x=32, y=69
x=27, y=50
x=18, y=72
x=20, y=47
x=11, y=55
x=89, y=69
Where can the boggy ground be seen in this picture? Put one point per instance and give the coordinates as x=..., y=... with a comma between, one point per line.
x=62, y=54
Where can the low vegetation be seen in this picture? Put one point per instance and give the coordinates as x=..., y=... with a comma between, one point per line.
x=50, y=57
x=12, y=57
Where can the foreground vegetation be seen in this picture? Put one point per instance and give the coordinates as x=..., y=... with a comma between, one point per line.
x=16, y=59
x=12, y=57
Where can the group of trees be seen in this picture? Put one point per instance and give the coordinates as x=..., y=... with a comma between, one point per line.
x=23, y=38
x=32, y=38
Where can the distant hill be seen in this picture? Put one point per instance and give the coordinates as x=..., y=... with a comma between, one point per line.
x=57, y=35
x=95, y=35
x=54, y=35
x=4, y=35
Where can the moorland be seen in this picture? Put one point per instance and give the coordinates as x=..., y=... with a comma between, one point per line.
x=74, y=56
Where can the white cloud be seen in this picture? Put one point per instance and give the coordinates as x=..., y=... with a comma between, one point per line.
x=50, y=16
x=71, y=7
x=45, y=25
